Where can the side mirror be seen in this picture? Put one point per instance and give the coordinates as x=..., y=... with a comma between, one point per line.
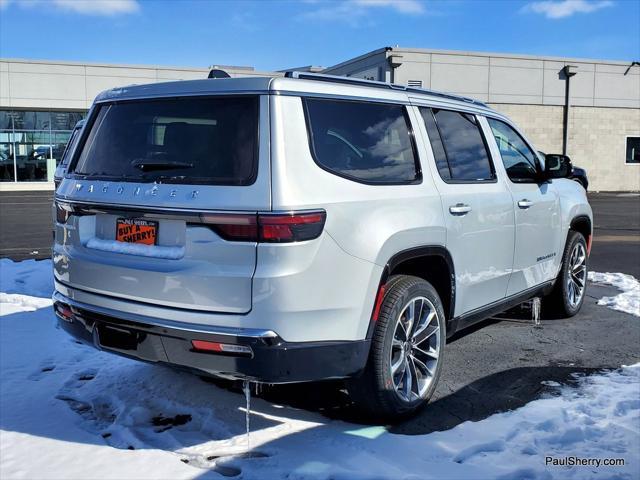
x=557, y=166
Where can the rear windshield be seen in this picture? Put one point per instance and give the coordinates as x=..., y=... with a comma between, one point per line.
x=201, y=140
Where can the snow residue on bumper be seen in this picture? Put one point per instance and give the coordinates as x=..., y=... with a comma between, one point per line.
x=155, y=251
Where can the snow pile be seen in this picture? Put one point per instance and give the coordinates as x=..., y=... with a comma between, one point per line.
x=14, y=302
x=32, y=277
x=629, y=300
x=69, y=411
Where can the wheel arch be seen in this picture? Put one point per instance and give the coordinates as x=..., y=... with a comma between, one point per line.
x=432, y=263
x=582, y=224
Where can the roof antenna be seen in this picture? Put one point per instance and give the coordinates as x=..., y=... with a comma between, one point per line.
x=633, y=64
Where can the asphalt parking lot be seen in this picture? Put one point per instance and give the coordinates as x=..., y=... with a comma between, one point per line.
x=495, y=366
x=25, y=225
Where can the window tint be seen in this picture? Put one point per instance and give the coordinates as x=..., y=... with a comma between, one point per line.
x=182, y=140
x=71, y=146
x=464, y=146
x=633, y=150
x=363, y=141
x=436, y=144
x=518, y=159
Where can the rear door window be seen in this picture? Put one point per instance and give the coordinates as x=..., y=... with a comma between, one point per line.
x=363, y=141
x=205, y=140
x=458, y=146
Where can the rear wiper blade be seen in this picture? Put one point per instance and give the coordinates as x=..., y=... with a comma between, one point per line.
x=149, y=165
x=168, y=178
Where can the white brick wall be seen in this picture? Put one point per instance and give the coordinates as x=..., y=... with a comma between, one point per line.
x=597, y=139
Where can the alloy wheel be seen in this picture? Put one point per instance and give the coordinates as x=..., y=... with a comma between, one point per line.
x=577, y=275
x=415, y=349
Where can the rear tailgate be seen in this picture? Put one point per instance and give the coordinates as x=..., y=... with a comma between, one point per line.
x=134, y=215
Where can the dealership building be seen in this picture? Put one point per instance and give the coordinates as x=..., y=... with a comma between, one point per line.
x=589, y=109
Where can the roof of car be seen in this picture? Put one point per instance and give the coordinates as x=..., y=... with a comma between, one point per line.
x=293, y=83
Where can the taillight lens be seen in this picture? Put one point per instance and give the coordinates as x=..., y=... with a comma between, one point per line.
x=239, y=228
x=295, y=227
x=267, y=227
x=62, y=213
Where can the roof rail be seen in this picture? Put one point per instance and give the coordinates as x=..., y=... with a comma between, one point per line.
x=321, y=77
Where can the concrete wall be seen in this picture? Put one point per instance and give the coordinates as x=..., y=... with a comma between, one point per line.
x=371, y=66
x=504, y=78
x=67, y=85
x=605, y=100
x=597, y=139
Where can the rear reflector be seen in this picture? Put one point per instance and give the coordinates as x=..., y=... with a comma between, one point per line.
x=379, y=299
x=206, y=346
x=63, y=311
x=267, y=227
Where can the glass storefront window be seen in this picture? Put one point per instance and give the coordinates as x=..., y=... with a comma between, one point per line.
x=5, y=120
x=65, y=120
x=32, y=142
x=23, y=120
x=7, y=171
x=32, y=151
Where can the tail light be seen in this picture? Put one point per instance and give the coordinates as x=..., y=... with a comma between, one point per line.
x=239, y=228
x=267, y=227
x=62, y=212
x=290, y=228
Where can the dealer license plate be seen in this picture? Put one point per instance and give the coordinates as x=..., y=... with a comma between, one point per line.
x=136, y=230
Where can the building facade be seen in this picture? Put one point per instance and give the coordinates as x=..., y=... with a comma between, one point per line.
x=41, y=101
x=597, y=124
x=602, y=124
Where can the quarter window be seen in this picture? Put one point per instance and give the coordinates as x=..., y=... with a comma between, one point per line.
x=367, y=142
x=458, y=146
x=633, y=150
x=436, y=144
x=519, y=160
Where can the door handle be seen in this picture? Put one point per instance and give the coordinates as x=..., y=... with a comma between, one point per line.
x=459, y=209
x=524, y=203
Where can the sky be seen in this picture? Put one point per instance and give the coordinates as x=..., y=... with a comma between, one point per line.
x=274, y=35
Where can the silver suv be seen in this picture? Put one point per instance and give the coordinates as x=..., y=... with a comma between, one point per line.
x=308, y=227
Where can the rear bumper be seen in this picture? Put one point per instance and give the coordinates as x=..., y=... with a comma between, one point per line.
x=271, y=360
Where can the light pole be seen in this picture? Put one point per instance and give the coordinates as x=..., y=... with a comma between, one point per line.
x=569, y=71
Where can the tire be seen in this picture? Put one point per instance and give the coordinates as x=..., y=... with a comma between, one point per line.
x=569, y=290
x=381, y=394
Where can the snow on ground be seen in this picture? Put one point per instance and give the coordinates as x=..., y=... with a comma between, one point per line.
x=68, y=411
x=629, y=300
